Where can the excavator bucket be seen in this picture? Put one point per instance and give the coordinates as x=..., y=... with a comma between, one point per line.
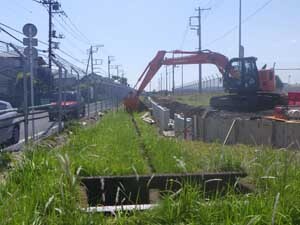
x=131, y=102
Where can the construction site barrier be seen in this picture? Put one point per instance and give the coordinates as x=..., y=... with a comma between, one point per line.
x=161, y=115
x=183, y=127
x=258, y=132
x=207, y=128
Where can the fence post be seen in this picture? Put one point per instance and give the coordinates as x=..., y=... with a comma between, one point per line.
x=78, y=95
x=23, y=61
x=59, y=99
x=195, y=123
x=60, y=66
x=184, y=127
x=25, y=102
x=88, y=97
x=96, y=107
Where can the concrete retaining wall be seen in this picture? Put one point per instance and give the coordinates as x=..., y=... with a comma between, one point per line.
x=245, y=131
x=250, y=132
x=183, y=129
x=160, y=114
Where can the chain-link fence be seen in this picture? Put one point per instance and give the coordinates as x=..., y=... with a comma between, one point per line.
x=209, y=85
x=53, y=91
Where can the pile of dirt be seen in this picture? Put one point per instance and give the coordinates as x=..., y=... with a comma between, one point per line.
x=188, y=110
x=177, y=107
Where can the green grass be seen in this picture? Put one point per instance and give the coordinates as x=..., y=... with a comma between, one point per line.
x=196, y=99
x=173, y=155
x=109, y=148
x=43, y=188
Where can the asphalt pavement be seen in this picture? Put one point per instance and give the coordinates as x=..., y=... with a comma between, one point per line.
x=44, y=128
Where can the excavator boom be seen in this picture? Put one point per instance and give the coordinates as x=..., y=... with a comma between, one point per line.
x=203, y=57
x=186, y=57
x=240, y=76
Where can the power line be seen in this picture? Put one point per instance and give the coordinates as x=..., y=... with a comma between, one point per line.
x=78, y=30
x=19, y=32
x=72, y=57
x=73, y=45
x=184, y=35
x=73, y=32
x=244, y=20
x=9, y=34
x=62, y=51
x=214, y=6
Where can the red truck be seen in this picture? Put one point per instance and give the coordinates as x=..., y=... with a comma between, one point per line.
x=73, y=106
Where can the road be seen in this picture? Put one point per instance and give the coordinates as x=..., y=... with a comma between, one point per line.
x=44, y=128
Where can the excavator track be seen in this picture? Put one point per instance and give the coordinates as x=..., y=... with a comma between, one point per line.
x=247, y=103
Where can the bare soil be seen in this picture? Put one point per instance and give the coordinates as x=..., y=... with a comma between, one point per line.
x=189, y=110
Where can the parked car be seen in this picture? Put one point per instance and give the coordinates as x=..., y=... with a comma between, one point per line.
x=73, y=106
x=9, y=124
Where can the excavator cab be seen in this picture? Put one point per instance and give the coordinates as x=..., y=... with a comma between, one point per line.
x=248, y=92
x=241, y=75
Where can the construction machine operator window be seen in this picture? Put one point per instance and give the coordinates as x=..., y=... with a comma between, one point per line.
x=249, y=67
x=237, y=68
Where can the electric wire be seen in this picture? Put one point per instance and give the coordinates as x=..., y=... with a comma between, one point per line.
x=78, y=30
x=184, y=36
x=243, y=21
x=72, y=31
x=9, y=34
x=70, y=42
x=19, y=32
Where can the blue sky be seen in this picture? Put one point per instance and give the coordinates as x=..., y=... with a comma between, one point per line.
x=134, y=30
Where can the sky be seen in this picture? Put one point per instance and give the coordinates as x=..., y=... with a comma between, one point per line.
x=134, y=30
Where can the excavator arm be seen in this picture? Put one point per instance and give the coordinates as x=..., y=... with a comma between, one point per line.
x=186, y=57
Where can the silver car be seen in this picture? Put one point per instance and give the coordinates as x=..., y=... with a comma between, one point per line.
x=9, y=124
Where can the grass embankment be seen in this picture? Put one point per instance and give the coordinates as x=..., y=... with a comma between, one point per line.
x=196, y=99
x=44, y=187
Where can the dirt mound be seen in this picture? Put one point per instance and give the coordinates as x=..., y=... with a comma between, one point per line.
x=188, y=110
x=177, y=107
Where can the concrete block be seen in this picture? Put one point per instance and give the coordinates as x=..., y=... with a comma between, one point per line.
x=200, y=128
x=255, y=132
x=180, y=130
x=160, y=114
x=216, y=129
x=293, y=135
x=164, y=117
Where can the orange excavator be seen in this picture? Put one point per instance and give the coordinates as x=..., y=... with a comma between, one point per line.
x=249, y=89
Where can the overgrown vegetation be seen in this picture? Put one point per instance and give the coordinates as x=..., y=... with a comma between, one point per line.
x=43, y=188
x=5, y=160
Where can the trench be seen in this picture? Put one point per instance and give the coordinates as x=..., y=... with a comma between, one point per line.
x=143, y=148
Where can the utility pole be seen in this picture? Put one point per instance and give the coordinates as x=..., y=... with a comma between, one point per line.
x=109, y=59
x=92, y=59
x=161, y=82
x=50, y=36
x=118, y=66
x=166, y=79
x=198, y=28
x=52, y=6
x=173, y=78
x=241, y=48
x=94, y=49
x=158, y=83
